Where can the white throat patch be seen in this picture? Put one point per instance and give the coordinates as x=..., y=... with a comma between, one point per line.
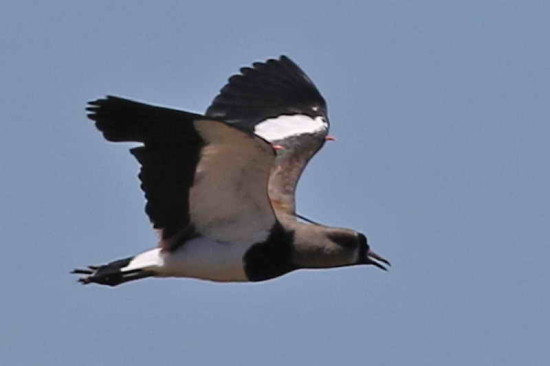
x=274, y=129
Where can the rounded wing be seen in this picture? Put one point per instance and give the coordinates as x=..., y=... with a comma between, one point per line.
x=276, y=100
x=200, y=176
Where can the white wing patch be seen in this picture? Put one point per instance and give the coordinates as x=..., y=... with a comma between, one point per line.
x=229, y=200
x=274, y=129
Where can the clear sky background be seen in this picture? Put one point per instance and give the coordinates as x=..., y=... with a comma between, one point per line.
x=441, y=110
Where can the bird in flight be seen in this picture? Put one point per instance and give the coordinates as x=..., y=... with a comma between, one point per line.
x=220, y=187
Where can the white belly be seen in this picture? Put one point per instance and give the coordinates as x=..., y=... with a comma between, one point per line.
x=206, y=259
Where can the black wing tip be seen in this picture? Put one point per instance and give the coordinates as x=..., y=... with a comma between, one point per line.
x=267, y=89
x=97, y=105
x=116, y=118
x=108, y=100
x=282, y=68
x=282, y=60
x=103, y=99
x=287, y=60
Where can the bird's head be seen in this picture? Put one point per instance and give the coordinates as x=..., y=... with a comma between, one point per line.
x=367, y=256
x=356, y=243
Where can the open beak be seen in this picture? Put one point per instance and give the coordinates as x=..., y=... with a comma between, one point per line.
x=375, y=259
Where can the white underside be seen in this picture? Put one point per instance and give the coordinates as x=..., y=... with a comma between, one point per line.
x=201, y=258
x=275, y=129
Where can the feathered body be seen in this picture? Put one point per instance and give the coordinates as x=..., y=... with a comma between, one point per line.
x=220, y=187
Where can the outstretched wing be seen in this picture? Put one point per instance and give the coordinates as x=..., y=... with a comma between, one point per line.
x=200, y=176
x=277, y=101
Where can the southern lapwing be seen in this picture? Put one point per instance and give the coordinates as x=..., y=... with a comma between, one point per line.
x=220, y=186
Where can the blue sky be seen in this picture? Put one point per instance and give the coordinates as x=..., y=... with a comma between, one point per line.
x=441, y=110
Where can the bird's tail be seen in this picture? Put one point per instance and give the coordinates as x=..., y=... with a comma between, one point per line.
x=117, y=272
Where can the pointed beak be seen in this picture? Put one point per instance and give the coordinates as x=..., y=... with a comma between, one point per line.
x=375, y=259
